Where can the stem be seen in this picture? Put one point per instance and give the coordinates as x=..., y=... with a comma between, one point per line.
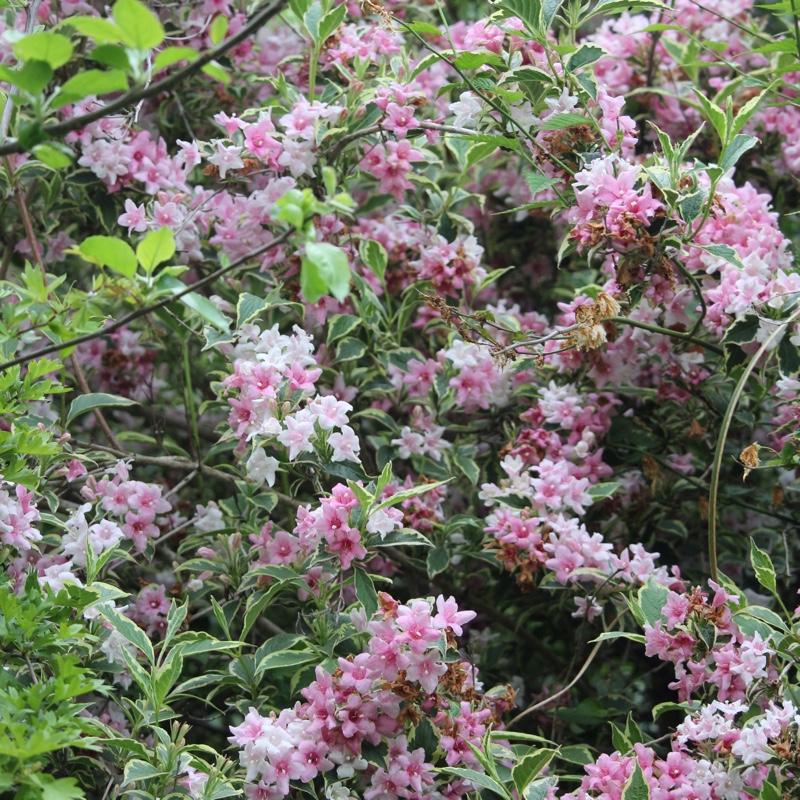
x=713, y=492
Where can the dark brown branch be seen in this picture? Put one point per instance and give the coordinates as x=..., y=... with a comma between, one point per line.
x=137, y=95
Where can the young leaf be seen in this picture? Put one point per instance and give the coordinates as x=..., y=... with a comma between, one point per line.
x=156, y=248
x=52, y=48
x=108, y=251
x=139, y=23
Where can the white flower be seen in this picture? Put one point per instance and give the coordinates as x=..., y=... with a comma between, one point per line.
x=226, y=158
x=261, y=467
x=467, y=110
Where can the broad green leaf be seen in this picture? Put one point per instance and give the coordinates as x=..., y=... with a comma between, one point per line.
x=374, y=256
x=55, y=155
x=216, y=71
x=723, y=251
x=340, y=325
x=284, y=659
x=560, y=121
x=763, y=567
x=128, y=630
x=108, y=251
x=537, y=183
x=52, y=48
x=479, y=779
x=637, y=788
x=139, y=23
x=365, y=592
x=600, y=491
x=331, y=22
x=733, y=152
x=156, y=248
x=437, y=561
x=172, y=55
x=91, y=81
x=332, y=268
x=31, y=78
x=88, y=402
x=584, y=55
x=652, y=598
x=218, y=29
x=530, y=767
x=101, y=30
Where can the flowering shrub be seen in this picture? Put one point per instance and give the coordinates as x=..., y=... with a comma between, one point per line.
x=399, y=402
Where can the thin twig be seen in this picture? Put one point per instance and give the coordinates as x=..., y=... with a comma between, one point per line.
x=98, y=415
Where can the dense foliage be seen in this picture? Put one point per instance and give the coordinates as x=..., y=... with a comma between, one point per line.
x=399, y=401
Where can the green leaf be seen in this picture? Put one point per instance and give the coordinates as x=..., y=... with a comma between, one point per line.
x=438, y=560
x=101, y=30
x=196, y=302
x=52, y=48
x=479, y=779
x=560, y=121
x=537, y=790
x=32, y=78
x=88, y=402
x=530, y=766
x=56, y=155
x=762, y=565
x=350, y=349
x=249, y=307
x=714, y=114
x=61, y=789
x=136, y=770
x=723, y=251
x=537, y=183
x=365, y=592
x=331, y=21
x=637, y=787
x=406, y=494
x=172, y=55
x=284, y=659
x=216, y=71
x=156, y=248
x=549, y=10
x=218, y=29
x=469, y=61
x=111, y=55
x=600, y=491
x=586, y=54
x=406, y=537
x=332, y=266
x=128, y=630
x=788, y=357
x=340, y=325
x=139, y=23
x=607, y=635
x=733, y=152
x=91, y=81
x=467, y=465
x=743, y=331
x=374, y=256
x=652, y=599
x=108, y=251
x=424, y=27
x=312, y=18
